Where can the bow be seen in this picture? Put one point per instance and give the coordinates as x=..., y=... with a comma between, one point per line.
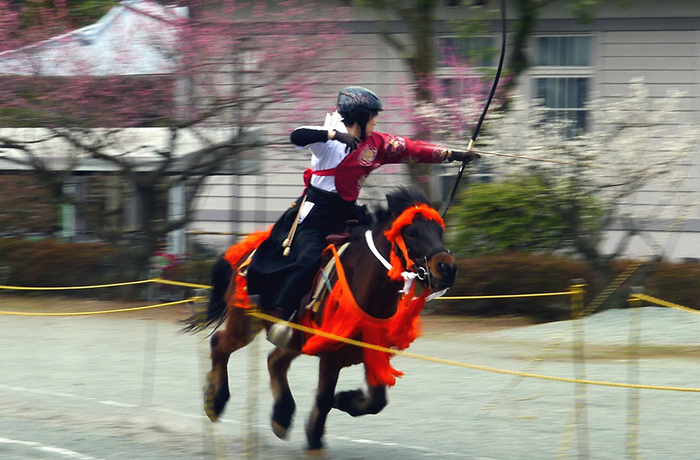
x=448, y=202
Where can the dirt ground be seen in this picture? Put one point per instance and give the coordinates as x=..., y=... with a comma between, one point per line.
x=128, y=386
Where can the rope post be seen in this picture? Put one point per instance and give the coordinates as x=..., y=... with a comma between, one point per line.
x=633, y=395
x=252, y=440
x=214, y=443
x=577, y=288
x=633, y=301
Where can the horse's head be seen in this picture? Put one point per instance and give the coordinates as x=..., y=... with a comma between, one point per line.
x=416, y=236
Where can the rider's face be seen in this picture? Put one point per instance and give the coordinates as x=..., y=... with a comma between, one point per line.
x=371, y=124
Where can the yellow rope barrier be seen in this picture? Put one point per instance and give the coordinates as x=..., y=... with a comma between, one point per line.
x=100, y=286
x=506, y=296
x=359, y=343
x=180, y=283
x=102, y=312
x=406, y=354
x=69, y=288
x=664, y=303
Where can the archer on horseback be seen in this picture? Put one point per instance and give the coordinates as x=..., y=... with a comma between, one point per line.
x=344, y=154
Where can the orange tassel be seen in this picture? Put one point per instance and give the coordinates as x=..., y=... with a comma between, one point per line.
x=237, y=252
x=235, y=256
x=343, y=317
x=395, y=238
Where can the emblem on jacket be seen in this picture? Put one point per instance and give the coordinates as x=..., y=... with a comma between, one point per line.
x=439, y=154
x=395, y=145
x=367, y=155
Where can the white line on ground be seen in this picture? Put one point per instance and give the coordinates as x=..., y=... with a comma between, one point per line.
x=65, y=453
x=426, y=451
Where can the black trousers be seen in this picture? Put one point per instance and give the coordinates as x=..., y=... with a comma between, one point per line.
x=282, y=281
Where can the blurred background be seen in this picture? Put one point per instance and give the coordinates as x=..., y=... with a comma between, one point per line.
x=141, y=135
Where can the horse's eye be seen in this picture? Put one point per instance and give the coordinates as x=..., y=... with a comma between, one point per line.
x=410, y=232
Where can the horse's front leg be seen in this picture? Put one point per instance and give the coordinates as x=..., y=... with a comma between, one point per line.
x=278, y=363
x=328, y=379
x=356, y=402
x=239, y=332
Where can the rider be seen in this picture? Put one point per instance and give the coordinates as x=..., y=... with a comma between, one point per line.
x=344, y=154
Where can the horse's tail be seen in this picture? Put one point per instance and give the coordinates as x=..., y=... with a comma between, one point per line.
x=221, y=274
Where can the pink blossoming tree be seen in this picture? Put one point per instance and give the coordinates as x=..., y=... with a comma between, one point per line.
x=157, y=96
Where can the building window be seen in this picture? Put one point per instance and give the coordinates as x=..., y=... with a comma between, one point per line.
x=562, y=77
x=474, y=51
x=563, y=51
x=462, y=65
x=565, y=99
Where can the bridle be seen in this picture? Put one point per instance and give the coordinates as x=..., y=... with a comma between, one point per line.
x=422, y=273
x=402, y=266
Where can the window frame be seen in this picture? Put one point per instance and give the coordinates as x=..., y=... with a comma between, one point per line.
x=445, y=174
x=536, y=72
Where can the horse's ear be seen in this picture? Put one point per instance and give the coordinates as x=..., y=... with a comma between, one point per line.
x=403, y=198
x=394, y=203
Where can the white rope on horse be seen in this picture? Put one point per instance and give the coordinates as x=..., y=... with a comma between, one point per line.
x=407, y=276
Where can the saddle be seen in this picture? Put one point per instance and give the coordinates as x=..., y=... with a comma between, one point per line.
x=322, y=284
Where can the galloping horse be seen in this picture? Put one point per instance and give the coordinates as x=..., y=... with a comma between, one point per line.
x=374, y=299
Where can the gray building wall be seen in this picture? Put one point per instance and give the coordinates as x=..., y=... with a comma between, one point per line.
x=658, y=41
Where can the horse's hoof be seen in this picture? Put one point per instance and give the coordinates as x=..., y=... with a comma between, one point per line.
x=209, y=405
x=210, y=399
x=280, y=431
x=316, y=453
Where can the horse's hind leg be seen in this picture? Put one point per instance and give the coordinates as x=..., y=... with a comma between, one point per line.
x=278, y=363
x=356, y=402
x=240, y=331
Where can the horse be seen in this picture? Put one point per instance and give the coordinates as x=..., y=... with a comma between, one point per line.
x=373, y=299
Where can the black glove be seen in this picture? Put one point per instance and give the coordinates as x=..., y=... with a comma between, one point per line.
x=462, y=155
x=348, y=139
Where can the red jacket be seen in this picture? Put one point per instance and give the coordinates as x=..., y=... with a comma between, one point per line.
x=377, y=150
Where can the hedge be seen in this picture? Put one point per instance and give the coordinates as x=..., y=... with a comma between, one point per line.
x=53, y=263
x=524, y=273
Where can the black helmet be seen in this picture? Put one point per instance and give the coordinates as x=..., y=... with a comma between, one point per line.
x=358, y=105
x=354, y=97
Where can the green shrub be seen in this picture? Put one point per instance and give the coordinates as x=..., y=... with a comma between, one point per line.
x=514, y=273
x=677, y=283
x=521, y=214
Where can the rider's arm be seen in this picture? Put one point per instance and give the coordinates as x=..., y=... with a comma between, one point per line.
x=302, y=137
x=398, y=149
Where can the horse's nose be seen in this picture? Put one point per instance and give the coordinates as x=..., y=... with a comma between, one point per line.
x=445, y=269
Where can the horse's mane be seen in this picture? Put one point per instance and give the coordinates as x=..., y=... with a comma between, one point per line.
x=397, y=200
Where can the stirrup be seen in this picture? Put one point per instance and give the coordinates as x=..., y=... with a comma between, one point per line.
x=280, y=335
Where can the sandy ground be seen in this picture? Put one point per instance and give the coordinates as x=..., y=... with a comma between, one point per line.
x=128, y=386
